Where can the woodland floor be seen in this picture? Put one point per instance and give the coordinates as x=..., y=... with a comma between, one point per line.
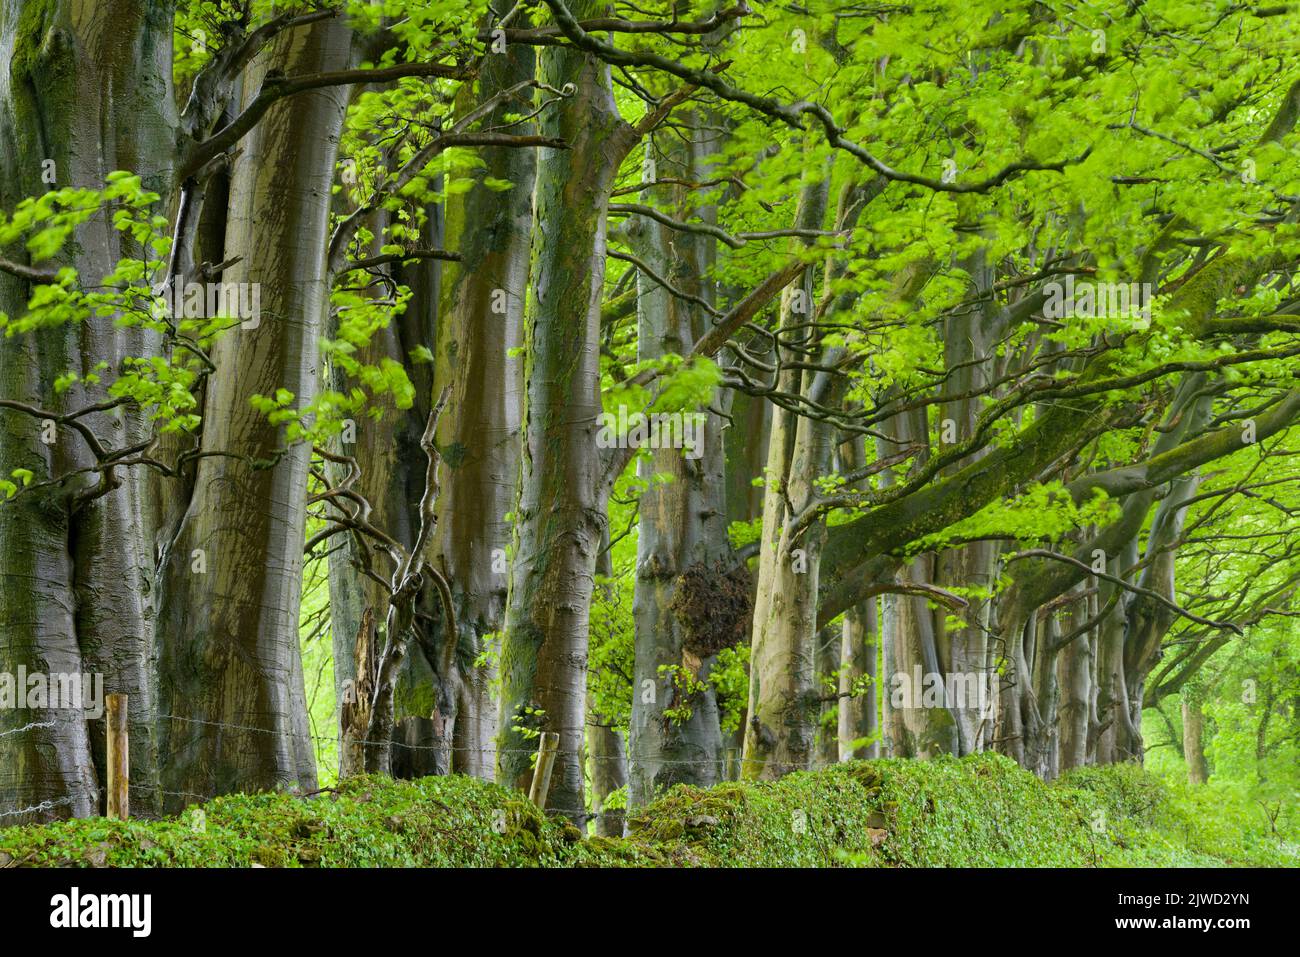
x=977, y=811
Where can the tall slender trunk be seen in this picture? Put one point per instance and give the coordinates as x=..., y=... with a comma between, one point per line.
x=484, y=297
x=1074, y=675
x=606, y=755
x=961, y=720
x=916, y=725
x=608, y=774
x=858, y=719
x=1119, y=736
x=1194, y=740
x=233, y=571
x=682, y=523
x=828, y=645
x=391, y=480
x=779, y=736
x=561, y=512
x=1148, y=621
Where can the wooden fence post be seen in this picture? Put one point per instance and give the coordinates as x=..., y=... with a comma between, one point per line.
x=546, y=749
x=119, y=760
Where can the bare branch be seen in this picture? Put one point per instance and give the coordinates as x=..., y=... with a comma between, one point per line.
x=1126, y=585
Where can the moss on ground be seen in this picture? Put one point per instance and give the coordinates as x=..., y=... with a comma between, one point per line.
x=977, y=811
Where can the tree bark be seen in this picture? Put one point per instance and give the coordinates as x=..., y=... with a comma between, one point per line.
x=1194, y=741
x=89, y=90
x=561, y=514
x=392, y=474
x=485, y=295
x=230, y=633
x=858, y=718
x=608, y=774
x=682, y=521
x=779, y=736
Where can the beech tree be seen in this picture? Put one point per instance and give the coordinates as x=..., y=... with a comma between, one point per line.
x=726, y=390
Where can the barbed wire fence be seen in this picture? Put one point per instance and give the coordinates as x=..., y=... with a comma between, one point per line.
x=47, y=805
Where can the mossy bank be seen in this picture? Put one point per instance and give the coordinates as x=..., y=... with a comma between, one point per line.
x=977, y=811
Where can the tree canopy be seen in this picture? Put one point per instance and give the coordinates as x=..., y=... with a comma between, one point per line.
x=726, y=390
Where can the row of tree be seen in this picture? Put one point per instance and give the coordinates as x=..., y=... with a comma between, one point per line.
x=967, y=332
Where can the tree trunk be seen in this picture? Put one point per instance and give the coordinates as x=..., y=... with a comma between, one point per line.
x=827, y=645
x=561, y=513
x=230, y=632
x=392, y=474
x=89, y=91
x=608, y=774
x=917, y=725
x=858, y=715
x=1194, y=741
x=1074, y=676
x=783, y=707
x=484, y=298
x=682, y=523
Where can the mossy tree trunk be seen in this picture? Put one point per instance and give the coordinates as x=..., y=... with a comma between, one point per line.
x=230, y=632
x=674, y=735
x=1194, y=739
x=87, y=91
x=783, y=706
x=485, y=295
x=561, y=513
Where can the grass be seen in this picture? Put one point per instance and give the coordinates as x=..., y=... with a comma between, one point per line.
x=976, y=811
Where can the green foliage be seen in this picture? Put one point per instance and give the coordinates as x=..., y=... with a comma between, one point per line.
x=973, y=812
x=1247, y=694
x=730, y=679
x=161, y=382
x=1160, y=824
x=682, y=385
x=315, y=631
x=380, y=384
x=610, y=648
x=982, y=811
x=1044, y=511
x=367, y=822
x=686, y=688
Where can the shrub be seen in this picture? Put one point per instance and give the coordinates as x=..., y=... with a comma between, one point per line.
x=979, y=811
